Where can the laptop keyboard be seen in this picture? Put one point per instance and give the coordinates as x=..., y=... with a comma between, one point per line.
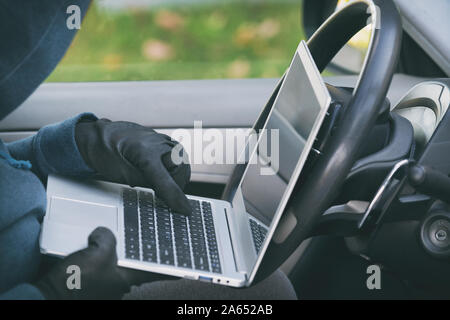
x=259, y=233
x=154, y=234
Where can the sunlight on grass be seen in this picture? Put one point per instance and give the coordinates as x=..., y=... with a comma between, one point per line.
x=229, y=40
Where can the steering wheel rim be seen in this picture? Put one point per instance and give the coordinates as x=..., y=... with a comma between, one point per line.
x=322, y=184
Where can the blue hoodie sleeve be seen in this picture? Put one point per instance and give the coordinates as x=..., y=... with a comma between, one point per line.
x=53, y=149
x=22, y=292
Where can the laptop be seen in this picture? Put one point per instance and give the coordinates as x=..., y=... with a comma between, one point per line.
x=222, y=242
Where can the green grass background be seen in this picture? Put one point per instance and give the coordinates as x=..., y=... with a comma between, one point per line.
x=109, y=46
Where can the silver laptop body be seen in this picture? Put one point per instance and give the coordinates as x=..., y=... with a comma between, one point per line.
x=221, y=242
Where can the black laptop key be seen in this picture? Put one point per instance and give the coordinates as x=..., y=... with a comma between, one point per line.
x=211, y=238
x=149, y=251
x=262, y=232
x=166, y=255
x=148, y=228
x=164, y=227
x=198, y=241
x=259, y=233
x=131, y=224
x=256, y=235
x=206, y=206
x=182, y=246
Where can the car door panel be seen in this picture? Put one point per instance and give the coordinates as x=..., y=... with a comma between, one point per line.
x=163, y=105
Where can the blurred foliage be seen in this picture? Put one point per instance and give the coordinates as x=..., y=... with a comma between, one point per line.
x=228, y=40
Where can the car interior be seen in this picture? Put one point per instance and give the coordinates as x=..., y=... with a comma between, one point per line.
x=378, y=194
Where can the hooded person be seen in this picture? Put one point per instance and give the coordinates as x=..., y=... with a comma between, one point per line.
x=33, y=39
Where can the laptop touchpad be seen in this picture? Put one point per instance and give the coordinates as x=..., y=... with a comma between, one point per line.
x=83, y=214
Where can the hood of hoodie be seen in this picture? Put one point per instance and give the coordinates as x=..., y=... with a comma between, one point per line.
x=33, y=39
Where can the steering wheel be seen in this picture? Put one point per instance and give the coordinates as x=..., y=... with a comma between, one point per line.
x=323, y=183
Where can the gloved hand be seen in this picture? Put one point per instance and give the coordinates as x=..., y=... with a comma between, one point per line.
x=125, y=152
x=100, y=277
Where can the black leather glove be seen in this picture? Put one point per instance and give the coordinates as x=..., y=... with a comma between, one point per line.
x=125, y=152
x=100, y=277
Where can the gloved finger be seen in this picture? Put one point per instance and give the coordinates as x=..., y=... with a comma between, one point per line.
x=139, y=157
x=131, y=175
x=129, y=172
x=102, y=239
x=167, y=161
x=125, y=173
x=166, y=188
x=181, y=173
x=166, y=137
x=158, y=177
x=137, y=277
x=175, y=156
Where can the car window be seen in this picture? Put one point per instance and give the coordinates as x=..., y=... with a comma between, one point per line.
x=124, y=40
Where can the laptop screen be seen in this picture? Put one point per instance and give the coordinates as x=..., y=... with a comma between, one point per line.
x=284, y=144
